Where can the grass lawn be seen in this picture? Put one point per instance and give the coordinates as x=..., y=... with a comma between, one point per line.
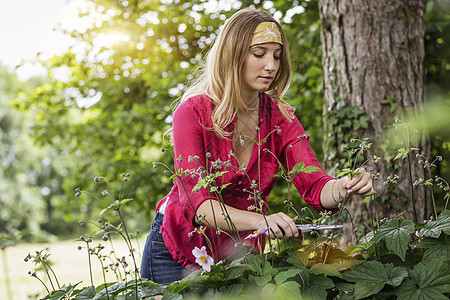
x=69, y=264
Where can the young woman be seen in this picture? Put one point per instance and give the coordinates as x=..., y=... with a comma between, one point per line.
x=218, y=120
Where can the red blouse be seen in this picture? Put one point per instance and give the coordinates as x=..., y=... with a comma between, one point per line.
x=191, y=137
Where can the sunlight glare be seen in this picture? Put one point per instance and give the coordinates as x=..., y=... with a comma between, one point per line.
x=109, y=39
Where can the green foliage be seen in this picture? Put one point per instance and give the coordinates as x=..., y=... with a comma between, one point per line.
x=125, y=73
x=390, y=263
x=428, y=280
x=435, y=228
x=370, y=278
x=396, y=234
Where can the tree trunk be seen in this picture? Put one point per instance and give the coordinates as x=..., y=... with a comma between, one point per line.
x=373, y=53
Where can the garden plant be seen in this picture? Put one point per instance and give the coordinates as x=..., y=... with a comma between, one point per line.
x=399, y=258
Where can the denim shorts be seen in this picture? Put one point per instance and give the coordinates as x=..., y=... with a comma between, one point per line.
x=158, y=264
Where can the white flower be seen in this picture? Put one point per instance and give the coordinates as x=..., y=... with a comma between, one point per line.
x=257, y=232
x=202, y=258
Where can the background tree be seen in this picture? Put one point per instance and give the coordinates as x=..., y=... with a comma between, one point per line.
x=108, y=113
x=20, y=200
x=373, y=62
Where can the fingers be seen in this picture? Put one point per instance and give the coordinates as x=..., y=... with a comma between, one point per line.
x=281, y=225
x=360, y=184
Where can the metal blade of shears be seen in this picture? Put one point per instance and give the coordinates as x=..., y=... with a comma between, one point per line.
x=312, y=227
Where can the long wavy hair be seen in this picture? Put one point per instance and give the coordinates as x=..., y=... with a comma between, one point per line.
x=220, y=76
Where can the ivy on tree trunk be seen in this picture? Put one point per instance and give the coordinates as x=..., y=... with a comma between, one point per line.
x=373, y=54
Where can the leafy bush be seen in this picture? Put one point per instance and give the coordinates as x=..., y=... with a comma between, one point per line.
x=398, y=259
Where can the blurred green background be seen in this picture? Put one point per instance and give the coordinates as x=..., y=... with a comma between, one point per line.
x=104, y=105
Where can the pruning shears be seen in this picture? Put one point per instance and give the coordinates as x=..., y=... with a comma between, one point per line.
x=313, y=227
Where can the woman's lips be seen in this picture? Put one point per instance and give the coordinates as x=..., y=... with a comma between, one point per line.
x=266, y=78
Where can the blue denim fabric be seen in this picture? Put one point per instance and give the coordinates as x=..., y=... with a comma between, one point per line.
x=158, y=264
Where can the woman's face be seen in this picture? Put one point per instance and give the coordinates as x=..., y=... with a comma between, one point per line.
x=260, y=68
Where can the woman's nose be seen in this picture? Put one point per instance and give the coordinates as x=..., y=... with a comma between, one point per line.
x=270, y=64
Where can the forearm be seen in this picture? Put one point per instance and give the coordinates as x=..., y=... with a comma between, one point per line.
x=213, y=215
x=333, y=193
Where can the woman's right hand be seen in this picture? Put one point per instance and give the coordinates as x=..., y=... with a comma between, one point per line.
x=277, y=224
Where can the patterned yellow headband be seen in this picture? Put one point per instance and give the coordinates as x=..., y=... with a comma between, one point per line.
x=266, y=32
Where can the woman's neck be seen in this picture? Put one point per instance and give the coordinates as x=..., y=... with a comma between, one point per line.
x=251, y=101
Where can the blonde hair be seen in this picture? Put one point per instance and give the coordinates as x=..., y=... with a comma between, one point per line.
x=220, y=76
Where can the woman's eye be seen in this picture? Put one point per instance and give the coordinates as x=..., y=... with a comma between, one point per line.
x=276, y=57
x=258, y=55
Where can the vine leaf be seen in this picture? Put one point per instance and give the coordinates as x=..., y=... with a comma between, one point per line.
x=300, y=168
x=330, y=270
x=314, y=286
x=435, y=247
x=396, y=235
x=298, y=258
x=283, y=276
x=403, y=153
x=372, y=276
x=61, y=293
x=86, y=294
x=434, y=228
x=286, y=290
x=426, y=281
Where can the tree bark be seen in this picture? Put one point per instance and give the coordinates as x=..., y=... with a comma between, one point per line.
x=373, y=53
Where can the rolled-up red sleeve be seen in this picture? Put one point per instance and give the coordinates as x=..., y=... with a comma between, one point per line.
x=188, y=141
x=296, y=149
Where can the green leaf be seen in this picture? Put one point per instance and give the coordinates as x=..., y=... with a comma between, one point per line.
x=285, y=275
x=426, y=281
x=395, y=235
x=262, y=280
x=435, y=247
x=61, y=293
x=172, y=297
x=125, y=201
x=371, y=277
x=106, y=209
x=255, y=261
x=126, y=297
x=402, y=153
x=326, y=269
x=232, y=290
x=298, y=258
x=286, y=290
x=237, y=271
x=276, y=175
x=297, y=169
x=310, y=169
x=434, y=228
x=300, y=168
x=314, y=286
x=345, y=172
x=202, y=183
x=86, y=294
x=177, y=286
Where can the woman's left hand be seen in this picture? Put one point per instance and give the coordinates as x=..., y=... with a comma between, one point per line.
x=359, y=184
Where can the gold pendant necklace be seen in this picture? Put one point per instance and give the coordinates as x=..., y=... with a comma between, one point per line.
x=241, y=139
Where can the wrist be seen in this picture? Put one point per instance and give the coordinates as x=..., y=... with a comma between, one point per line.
x=338, y=191
x=259, y=221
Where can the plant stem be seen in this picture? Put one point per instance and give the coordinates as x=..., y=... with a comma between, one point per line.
x=103, y=273
x=48, y=275
x=412, y=188
x=90, y=264
x=56, y=278
x=434, y=202
x=130, y=248
x=43, y=283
